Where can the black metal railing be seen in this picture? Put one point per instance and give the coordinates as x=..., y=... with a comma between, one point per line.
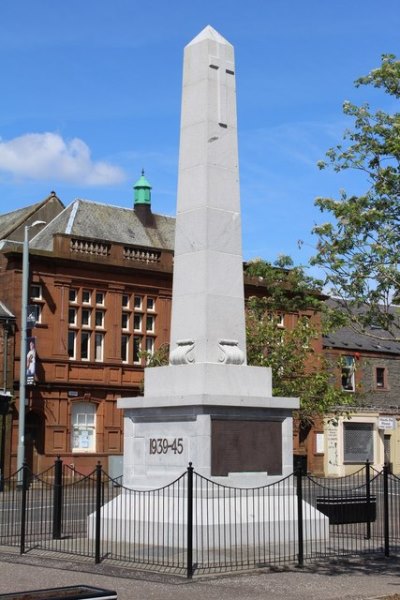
x=242, y=527
x=195, y=525
x=146, y=528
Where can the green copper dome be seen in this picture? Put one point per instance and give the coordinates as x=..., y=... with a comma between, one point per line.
x=142, y=190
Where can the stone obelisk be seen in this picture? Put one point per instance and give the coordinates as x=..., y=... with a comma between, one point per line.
x=208, y=406
x=208, y=304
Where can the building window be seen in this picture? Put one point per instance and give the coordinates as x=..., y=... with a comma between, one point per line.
x=36, y=292
x=35, y=310
x=125, y=320
x=34, y=314
x=72, y=344
x=138, y=327
x=380, y=378
x=98, y=347
x=100, y=298
x=125, y=301
x=150, y=346
x=319, y=443
x=358, y=442
x=72, y=314
x=86, y=317
x=137, y=322
x=137, y=349
x=277, y=319
x=348, y=368
x=125, y=348
x=85, y=345
x=150, y=320
x=99, y=319
x=83, y=427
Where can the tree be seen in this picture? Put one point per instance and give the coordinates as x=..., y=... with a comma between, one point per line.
x=286, y=285
x=297, y=370
x=359, y=247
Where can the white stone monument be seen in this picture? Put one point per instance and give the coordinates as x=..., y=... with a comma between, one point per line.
x=208, y=406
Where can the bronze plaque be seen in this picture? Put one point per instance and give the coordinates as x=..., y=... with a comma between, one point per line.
x=239, y=446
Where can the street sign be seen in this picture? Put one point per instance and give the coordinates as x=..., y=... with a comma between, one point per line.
x=387, y=423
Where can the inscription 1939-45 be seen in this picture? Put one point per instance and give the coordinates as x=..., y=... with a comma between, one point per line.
x=166, y=445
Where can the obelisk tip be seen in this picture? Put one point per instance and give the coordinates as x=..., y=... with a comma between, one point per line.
x=209, y=33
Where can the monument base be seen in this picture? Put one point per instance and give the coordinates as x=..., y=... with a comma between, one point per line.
x=235, y=446
x=220, y=524
x=218, y=417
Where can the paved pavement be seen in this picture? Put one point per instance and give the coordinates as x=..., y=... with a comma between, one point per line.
x=356, y=579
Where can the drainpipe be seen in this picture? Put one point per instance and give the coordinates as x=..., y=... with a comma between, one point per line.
x=5, y=354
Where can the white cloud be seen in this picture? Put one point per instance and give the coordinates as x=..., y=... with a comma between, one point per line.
x=44, y=156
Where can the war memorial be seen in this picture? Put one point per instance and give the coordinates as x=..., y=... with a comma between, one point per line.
x=208, y=476
x=207, y=408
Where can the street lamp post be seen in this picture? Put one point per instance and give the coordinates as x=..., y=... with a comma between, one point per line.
x=22, y=372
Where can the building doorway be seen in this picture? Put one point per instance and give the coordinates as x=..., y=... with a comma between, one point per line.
x=34, y=440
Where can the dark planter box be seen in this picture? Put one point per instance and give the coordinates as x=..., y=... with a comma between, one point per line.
x=74, y=592
x=347, y=509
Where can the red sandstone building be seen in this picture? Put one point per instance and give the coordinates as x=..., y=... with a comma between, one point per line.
x=100, y=290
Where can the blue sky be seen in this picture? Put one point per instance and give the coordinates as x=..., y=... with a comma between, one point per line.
x=90, y=93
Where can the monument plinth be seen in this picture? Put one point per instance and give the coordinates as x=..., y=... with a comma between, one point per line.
x=208, y=406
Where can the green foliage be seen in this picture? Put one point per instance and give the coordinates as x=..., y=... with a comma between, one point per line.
x=359, y=247
x=297, y=370
x=159, y=358
x=287, y=286
x=386, y=77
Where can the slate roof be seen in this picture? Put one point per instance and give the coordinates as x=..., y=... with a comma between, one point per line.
x=348, y=338
x=10, y=221
x=107, y=223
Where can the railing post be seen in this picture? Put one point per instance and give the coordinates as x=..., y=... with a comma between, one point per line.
x=386, y=507
x=24, y=491
x=368, y=494
x=98, y=513
x=299, y=491
x=57, y=499
x=190, y=522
